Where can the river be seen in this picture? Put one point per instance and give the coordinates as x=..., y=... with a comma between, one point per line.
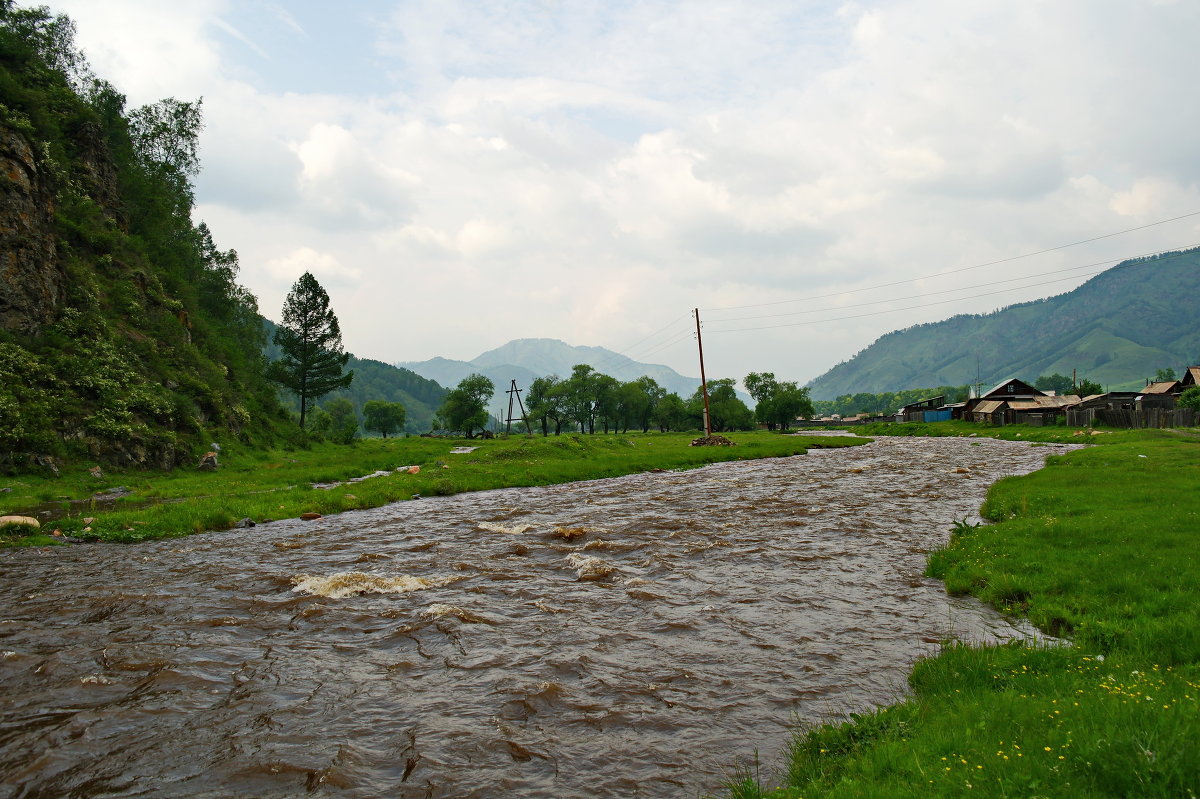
x=628, y=637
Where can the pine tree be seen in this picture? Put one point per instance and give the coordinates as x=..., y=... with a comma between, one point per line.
x=311, y=341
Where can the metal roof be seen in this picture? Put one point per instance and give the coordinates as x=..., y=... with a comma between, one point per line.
x=988, y=406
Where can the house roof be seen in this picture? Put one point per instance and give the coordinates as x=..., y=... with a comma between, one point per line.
x=1044, y=403
x=1192, y=377
x=1164, y=387
x=1018, y=388
x=989, y=406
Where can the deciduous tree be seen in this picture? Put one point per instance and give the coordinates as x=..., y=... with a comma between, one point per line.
x=384, y=418
x=465, y=408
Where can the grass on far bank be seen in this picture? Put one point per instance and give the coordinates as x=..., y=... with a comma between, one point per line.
x=278, y=484
x=1099, y=547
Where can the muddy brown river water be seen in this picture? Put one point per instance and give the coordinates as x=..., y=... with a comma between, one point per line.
x=632, y=637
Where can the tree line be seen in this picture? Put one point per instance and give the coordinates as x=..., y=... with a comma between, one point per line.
x=588, y=401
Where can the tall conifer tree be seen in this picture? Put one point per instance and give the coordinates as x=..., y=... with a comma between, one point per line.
x=311, y=341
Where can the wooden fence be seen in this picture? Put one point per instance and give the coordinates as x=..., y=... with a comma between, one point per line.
x=1149, y=417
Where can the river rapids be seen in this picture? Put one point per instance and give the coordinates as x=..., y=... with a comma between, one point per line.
x=630, y=637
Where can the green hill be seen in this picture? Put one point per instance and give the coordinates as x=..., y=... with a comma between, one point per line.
x=1115, y=329
x=124, y=336
x=376, y=380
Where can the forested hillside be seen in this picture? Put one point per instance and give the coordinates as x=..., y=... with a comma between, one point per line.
x=1116, y=330
x=376, y=380
x=124, y=336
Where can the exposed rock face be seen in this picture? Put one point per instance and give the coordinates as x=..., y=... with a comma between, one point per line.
x=31, y=281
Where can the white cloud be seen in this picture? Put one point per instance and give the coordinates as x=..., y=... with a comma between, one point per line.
x=587, y=173
x=323, y=266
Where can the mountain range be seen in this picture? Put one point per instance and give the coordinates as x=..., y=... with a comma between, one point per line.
x=526, y=359
x=1116, y=329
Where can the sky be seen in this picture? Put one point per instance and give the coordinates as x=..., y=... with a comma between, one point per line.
x=810, y=175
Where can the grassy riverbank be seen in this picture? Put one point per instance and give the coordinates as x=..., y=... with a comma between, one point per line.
x=1100, y=547
x=279, y=484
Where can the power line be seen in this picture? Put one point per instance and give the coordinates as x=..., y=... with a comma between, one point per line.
x=939, y=302
x=962, y=269
x=615, y=357
x=952, y=291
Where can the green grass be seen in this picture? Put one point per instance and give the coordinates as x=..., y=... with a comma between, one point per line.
x=278, y=484
x=1101, y=547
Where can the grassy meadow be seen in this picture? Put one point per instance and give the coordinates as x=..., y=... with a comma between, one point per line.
x=279, y=484
x=1099, y=548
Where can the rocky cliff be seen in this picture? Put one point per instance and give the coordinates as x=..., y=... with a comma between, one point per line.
x=31, y=279
x=124, y=337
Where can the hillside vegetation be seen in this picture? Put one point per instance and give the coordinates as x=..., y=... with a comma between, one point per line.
x=376, y=380
x=124, y=336
x=1116, y=330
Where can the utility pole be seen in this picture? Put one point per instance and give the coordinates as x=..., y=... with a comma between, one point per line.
x=703, y=381
x=513, y=391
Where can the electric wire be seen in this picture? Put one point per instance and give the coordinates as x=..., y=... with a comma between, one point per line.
x=956, y=271
x=940, y=302
x=952, y=291
x=624, y=353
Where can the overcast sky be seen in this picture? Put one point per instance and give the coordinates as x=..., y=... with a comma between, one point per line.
x=459, y=174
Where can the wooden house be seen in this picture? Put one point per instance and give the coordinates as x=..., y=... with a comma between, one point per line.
x=1040, y=410
x=1161, y=394
x=992, y=405
x=916, y=411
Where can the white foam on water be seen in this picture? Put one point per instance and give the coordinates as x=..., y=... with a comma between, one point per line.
x=344, y=584
x=516, y=529
x=589, y=568
x=439, y=610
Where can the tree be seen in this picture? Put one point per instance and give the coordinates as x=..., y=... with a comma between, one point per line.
x=778, y=404
x=1164, y=375
x=725, y=410
x=1059, y=384
x=384, y=418
x=311, y=342
x=465, y=407
x=1087, y=388
x=545, y=402
x=1190, y=398
x=671, y=414
x=343, y=421
x=579, y=396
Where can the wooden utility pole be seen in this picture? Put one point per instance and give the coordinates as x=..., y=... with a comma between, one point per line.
x=703, y=382
x=513, y=391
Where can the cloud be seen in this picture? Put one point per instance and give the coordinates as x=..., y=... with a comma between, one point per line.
x=323, y=266
x=588, y=172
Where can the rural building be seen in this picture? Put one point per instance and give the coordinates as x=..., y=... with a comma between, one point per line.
x=919, y=411
x=1039, y=410
x=1159, y=395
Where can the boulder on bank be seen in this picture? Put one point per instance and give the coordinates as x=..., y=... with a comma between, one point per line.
x=26, y=521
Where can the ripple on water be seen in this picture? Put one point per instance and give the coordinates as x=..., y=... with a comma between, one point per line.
x=633, y=636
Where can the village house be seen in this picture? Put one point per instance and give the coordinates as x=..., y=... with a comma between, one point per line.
x=923, y=410
x=1016, y=402
x=1161, y=394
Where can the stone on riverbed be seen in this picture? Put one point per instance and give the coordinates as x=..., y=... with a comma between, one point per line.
x=27, y=521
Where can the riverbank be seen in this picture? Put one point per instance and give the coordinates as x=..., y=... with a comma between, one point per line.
x=261, y=486
x=1098, y=547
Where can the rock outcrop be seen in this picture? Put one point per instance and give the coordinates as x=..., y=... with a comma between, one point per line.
x=31, y=280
